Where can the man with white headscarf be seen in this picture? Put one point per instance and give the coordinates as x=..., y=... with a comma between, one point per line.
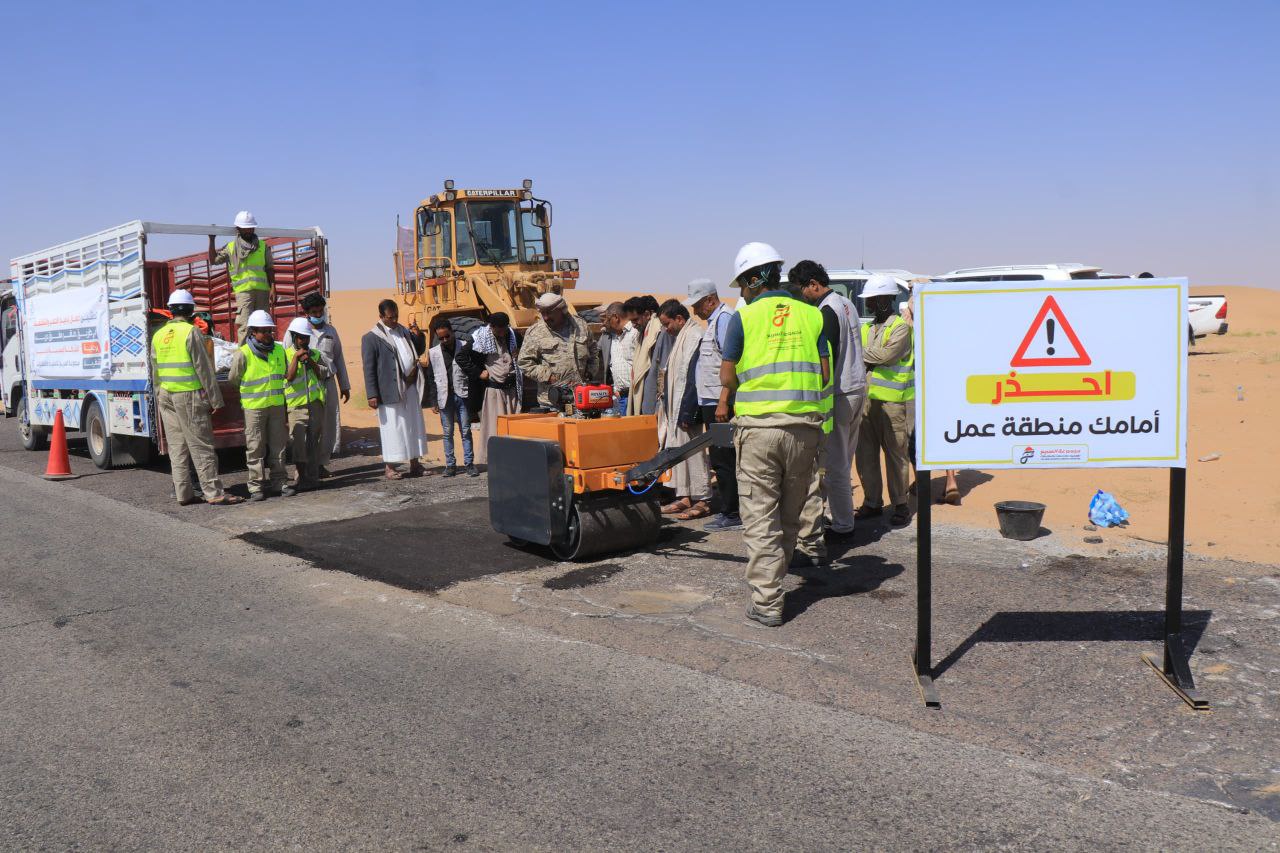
x=496, y=344
x=559, y=350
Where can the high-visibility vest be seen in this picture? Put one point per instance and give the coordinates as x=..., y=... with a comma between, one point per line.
x=892, y=383
x=306, y=386
x=262, y=385
x=251, y=273
x=779, y=371
x=174, y=368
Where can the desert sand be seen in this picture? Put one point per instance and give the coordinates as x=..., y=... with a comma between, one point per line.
x=1233, y=502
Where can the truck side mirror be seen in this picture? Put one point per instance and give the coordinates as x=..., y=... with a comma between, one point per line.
x=542, y=214
x=428, y=223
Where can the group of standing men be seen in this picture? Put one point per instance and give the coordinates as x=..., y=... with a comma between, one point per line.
x=289, y=394
x=808, y=386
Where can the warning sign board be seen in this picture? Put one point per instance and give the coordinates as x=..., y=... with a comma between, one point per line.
x=1051, y=374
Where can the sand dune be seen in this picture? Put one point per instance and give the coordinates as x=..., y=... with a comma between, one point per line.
x=1232, y=502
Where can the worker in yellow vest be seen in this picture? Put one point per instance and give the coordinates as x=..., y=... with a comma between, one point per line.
x=187, y=395
x=260, y=366
x=248, y=261
x=776, y=364
x=888, y=353
x=304, y=396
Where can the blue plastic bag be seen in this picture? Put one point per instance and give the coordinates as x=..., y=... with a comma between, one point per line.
x=1105, y=512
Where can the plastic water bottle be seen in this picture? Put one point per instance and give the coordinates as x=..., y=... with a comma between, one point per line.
x=1240, y=393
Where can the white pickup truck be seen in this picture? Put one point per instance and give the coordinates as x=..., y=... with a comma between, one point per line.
x=1206, y=315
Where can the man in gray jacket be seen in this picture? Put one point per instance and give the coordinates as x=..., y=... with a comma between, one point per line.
x=394, y=385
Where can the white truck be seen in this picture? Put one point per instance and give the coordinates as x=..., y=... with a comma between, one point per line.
x=1206, y=315
x=849, y=283
x=76, y=330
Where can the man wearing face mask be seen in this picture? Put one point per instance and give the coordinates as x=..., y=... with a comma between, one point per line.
x=777, y=360
x=324, y=337
x=890, y=359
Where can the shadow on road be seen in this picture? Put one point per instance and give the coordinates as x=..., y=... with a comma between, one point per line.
x=855, y=576
x=1077, y=626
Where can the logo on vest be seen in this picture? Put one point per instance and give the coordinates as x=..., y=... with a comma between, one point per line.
x=780, y=314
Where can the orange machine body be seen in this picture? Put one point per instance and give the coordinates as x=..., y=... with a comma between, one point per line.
x=597, y=451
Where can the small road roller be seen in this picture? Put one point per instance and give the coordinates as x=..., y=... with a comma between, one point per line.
x=582, y=484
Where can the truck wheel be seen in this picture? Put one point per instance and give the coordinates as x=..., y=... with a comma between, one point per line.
x=99, y=437
x=33, y=437
x=465, y=327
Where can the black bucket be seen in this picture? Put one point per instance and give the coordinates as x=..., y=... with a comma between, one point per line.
x=1019, y=519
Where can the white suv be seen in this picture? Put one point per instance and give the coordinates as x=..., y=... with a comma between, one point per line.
x=1023, y=272
x=849, y=284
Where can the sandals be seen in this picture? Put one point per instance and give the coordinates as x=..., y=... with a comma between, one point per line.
x=226, y=500
x=699, y=510
x=901, y=515
x=393, y=475
x=866, y=511
x=677, y=506
x=951, y=497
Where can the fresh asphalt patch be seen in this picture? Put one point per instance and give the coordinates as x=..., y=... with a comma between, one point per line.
x=423, y=548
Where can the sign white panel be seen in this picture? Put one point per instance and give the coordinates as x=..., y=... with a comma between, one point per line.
x=68, y=335
x=1089, y=373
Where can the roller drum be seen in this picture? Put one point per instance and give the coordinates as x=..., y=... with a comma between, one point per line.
x=599, y=525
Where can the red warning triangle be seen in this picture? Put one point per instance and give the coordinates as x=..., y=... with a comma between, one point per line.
x=1044, y=336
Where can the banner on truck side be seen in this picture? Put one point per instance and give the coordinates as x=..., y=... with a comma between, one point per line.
x=1089, y=373
x=68, y=334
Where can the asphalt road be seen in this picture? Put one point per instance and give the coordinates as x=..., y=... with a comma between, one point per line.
x=165, y=686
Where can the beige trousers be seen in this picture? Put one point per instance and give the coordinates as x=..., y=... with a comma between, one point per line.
x=331, y=435
x=885, y=427
x=306, y=437
x=266, y=432
x=188, y=432
x=248, y=301
x=831, y=492
x=775, y=470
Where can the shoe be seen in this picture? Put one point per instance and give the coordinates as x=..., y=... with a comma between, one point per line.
x=451, y=470
x=472, y=472
x=287, y=491
x=256, y=497
x=901, y=515
x=723, y=522
x=769, y=620
x=325, y=473
x=808, y=561
x=191, y=501
x=832, y=533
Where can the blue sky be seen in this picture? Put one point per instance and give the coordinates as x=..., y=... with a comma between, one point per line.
x=1132, y=135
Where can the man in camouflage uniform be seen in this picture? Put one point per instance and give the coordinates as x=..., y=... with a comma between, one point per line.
x=559, y=350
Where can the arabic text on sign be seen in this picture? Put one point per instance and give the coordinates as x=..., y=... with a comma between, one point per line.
x=1015, y=387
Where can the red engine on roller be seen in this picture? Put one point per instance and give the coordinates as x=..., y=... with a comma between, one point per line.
x=593, y=400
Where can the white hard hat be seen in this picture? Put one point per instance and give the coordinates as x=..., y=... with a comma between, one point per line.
x=261, y=320
x=879, y=285
x=181, y=297
x=300, y=326
x=751, y=256
x=245, y=219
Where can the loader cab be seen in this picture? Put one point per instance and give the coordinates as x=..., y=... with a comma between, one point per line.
x=462, y=231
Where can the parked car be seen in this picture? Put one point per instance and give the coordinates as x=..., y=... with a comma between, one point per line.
x=1206, y=315
x=849, y=284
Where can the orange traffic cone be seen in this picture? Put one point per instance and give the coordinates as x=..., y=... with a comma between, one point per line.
x=59, y=467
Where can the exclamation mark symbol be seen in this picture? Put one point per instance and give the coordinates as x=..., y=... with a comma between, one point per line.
x=1048, y=328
